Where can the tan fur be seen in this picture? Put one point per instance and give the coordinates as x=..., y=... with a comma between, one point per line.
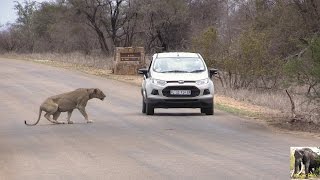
x=67, y=102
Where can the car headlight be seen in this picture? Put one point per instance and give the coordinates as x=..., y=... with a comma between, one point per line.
x=202, y=81
x=158, y=82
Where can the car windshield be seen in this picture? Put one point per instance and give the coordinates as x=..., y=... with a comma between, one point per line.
x=178, y=65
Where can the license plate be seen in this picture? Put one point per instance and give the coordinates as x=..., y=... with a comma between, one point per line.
x=180, y=92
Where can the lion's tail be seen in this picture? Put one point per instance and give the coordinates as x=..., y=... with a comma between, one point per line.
x=40, y=111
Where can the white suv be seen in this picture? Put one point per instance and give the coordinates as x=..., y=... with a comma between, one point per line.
x=177, y=80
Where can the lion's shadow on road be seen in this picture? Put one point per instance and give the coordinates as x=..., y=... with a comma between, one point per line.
x=66, y=124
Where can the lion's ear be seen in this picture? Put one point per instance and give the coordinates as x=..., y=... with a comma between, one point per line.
x=95, y=91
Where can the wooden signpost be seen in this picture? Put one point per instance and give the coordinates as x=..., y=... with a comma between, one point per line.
x=127, y=60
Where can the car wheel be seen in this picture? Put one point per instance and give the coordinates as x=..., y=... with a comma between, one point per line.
x=149, y=109
x=208, y=111
x=143, y=106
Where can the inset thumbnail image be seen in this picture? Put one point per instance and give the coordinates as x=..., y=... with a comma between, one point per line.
x=305, y=162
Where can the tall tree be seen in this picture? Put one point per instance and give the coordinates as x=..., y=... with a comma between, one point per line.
x=25, y=23
x=92, y=9
x=166, y=24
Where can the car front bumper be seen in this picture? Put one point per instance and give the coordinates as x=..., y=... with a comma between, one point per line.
x=180, y=103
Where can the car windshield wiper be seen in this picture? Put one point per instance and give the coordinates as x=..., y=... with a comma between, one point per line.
x=174, y=71
x=198, y=70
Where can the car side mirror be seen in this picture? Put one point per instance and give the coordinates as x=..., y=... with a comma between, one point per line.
x=212, y=72
x=143, y=72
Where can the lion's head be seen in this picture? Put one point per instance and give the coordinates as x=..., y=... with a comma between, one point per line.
x=97, y=93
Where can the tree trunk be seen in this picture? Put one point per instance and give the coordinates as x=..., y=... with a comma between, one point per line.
x=293, y=107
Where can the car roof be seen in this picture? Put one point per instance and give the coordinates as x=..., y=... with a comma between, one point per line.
x=176, y=54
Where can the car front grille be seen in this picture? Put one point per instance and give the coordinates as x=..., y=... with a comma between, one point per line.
x=194, y=91
x=182, y=82
x=181, y=100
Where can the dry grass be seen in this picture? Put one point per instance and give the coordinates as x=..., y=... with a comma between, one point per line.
x=278, y=101
x=274, y=100
x=96, y=65
x=244, y=105
x=94, y=60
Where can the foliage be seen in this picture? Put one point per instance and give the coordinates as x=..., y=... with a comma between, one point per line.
x=165, y=24
x=291, y=161
x=25, y=23
x=25, y=12
x=304, y=69
x=206, y=44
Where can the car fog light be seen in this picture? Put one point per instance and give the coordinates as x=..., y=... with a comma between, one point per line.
x=155, y=92
x=206, y=92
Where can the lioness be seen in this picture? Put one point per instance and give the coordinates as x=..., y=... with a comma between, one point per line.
x=67, y=102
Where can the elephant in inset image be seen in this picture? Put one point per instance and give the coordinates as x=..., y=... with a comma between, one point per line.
x=308, y=158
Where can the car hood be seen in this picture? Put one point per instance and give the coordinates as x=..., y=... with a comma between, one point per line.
x=180, y=76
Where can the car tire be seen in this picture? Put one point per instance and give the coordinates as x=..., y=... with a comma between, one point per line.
x=144, y=108
x=208, y=111
x=149, y=109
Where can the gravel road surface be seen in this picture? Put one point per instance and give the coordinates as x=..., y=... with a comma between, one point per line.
x=122, y=143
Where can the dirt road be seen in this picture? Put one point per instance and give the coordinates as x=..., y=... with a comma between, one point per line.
x=123, y=143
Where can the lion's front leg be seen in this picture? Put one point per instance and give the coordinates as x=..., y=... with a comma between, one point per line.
x=69, y=116
x=85, y=115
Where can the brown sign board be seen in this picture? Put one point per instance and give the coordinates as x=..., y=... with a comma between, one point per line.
x=127, y=60
x=130, y=56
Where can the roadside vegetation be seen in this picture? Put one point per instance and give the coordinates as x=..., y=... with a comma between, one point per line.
x=267, y=51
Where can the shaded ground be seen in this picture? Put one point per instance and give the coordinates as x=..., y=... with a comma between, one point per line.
x=295, y=124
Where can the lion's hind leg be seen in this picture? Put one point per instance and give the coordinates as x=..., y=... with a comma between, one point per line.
x=51, y=109
x=47, y=116
x=56, y=116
